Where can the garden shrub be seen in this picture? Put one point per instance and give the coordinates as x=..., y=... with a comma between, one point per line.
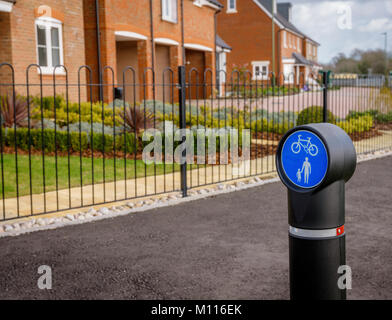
x=314, y=114
x=357, y=125
x=73, y=112
x=378, y=116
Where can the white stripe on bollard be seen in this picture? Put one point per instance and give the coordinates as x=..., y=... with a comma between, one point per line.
x=318, y=234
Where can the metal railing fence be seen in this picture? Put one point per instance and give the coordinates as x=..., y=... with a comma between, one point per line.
x=61, y=148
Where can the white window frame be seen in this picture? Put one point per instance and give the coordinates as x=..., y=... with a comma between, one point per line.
x=284, y=39
x=168, y=4
x=289, y=77
x=298, y=45
x=260, y=64
x=48, y=23
x=231, y=9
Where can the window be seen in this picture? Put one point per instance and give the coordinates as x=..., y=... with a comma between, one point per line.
x=49, y=44
x=260, y=70
x=231, y=6
x=285, y=39
x=298, y=45
x=314, y=51
x=169, y=10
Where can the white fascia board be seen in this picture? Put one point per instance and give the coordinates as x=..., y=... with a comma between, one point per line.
x=166, y=41
x=268, y=13
x=128, y=35
x=199, y=47
x=6, y=6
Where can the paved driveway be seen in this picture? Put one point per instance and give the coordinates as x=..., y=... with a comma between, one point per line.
x=232, y=246
x=341, y=101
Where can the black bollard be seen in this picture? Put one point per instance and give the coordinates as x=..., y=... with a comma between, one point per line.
x=314, y=162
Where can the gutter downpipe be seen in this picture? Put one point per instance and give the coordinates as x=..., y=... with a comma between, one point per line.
x=152, y=50
x=182, y=33
x=280, y=56
x=217, y=75
x=99, y=49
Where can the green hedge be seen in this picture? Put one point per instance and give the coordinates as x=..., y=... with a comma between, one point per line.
x=83, y=141
x=77, y=141
x=194, y=133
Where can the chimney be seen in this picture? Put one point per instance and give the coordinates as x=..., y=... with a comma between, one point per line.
x=284, y=9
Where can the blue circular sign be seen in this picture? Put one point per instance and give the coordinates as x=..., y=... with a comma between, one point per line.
x=304, y=159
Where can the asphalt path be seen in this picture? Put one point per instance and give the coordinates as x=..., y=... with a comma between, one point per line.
x=231, y=246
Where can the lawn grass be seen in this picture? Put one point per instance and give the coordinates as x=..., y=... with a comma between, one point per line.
x=37, y=176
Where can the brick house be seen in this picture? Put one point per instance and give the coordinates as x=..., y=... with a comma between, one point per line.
x=141, y=34
x=247, y=26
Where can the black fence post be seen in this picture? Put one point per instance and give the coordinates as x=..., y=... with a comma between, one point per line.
x=182, y=100
x=325, y=96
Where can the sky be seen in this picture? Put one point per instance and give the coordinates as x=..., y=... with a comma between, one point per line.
x=342, y=26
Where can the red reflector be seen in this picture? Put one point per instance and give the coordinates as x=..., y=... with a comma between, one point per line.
x=340, y=230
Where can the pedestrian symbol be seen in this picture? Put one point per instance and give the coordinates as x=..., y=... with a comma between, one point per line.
x=304, y=159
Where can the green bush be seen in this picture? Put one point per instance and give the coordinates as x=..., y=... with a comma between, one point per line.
x=377, y=115
x=72, y=112
x=314, y=114
x=264, y=125
x=357, y=125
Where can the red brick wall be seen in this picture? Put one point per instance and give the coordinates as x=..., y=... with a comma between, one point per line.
x=5, y=47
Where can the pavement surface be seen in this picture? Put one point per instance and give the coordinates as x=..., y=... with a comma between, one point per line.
x=231, y=246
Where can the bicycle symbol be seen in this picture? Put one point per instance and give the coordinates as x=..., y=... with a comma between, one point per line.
x=310, y=148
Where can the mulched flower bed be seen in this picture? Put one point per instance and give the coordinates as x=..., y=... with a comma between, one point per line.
x=384, y=126
x=268, y=136
x=357, y=136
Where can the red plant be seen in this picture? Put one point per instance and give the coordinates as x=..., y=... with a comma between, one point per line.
x=137, y=119
x=12, y=114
